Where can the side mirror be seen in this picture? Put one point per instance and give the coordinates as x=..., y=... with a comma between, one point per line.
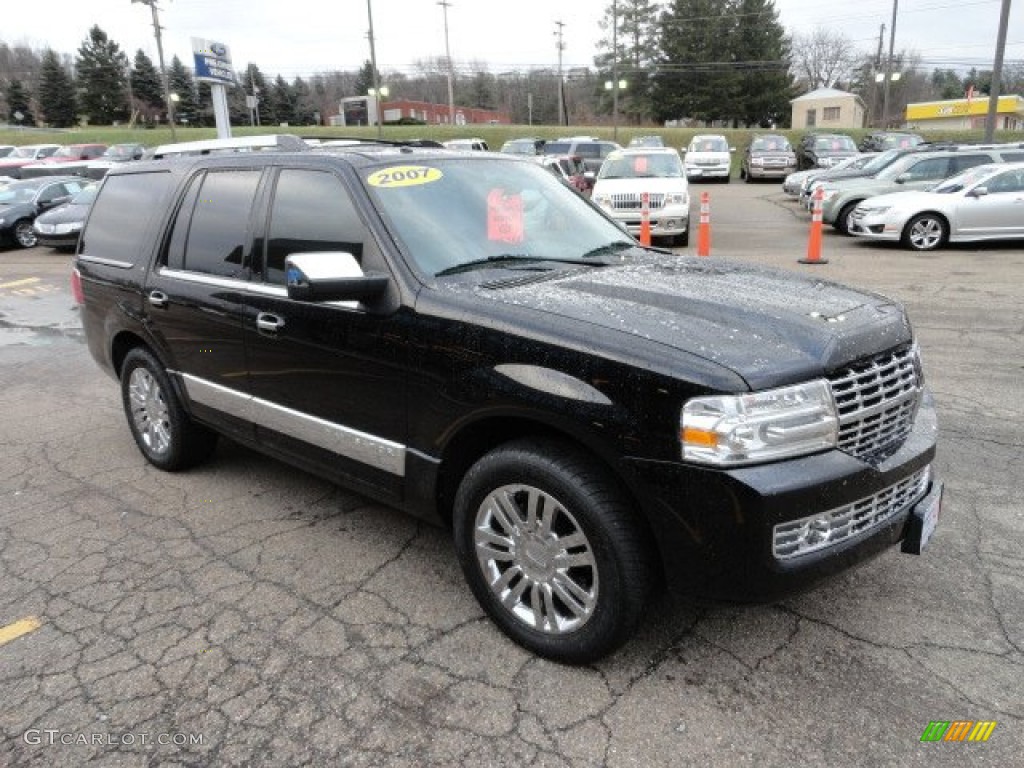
x=330, y=276
x=978, y=192
x=903, y=178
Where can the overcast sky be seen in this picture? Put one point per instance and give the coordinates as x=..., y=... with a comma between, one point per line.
x=302, y=37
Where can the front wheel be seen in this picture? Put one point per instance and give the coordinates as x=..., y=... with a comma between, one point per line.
x=165, y=434
x=844, y=221
x=551, y=550
x=925, y=232
x=24, y=235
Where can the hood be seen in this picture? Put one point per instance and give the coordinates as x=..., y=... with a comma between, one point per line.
x=64, y=213
x=912, y=198
x=636, y=186
x=769, y=327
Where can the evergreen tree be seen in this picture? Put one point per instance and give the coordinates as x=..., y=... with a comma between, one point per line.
x=101, y=78
x=147, y=88
x=256, y=84
x=282, y=101
x=18, y=103
x=635, y=36
x=186, y=108
x=696, y=76
x=766, y=86
x=364, y=80
x=56, y=95
x=302, y=98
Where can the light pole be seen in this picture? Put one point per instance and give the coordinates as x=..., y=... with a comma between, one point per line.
x=888, y=68
x=615, y=70
x=615, y=86
x=451, y=70
x=561, y=47
x=373, y=65
x=163, y=69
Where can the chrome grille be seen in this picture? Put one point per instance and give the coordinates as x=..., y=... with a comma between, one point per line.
x=827, y=529
x=630, y=201
x=877, y=401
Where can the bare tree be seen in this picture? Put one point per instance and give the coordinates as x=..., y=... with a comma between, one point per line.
x=823, y=58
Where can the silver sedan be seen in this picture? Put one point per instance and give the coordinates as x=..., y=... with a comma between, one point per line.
x=982, y=203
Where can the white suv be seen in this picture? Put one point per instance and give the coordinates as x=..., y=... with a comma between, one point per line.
x=709, y=156
x=629, y=173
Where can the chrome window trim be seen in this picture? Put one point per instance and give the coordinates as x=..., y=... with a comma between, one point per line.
x=365, y=448
x=105, y=262
x=246, y=286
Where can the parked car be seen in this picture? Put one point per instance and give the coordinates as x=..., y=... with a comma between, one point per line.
x=628, y=174
x=591, y=149
x=570, y=169
x=21, y=201
x=767, y=156
x=60, y=227
x=917, y=170
x=477, y=145
x=879, y=141
x=708, y=156
x=465, y=338
x=25, y=155
x=114, y=154
x=57, y=163
x=6, y=149
x=858, y=166
x=794, y=183
x=530, y=147
x=983, y=203
x=647, y=141
x=823, y=150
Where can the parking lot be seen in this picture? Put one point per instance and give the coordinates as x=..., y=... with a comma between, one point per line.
x=245, y=613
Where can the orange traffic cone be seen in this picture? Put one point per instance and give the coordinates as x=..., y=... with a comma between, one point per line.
x=645, y=219
x=814, y=240
x=704, y=228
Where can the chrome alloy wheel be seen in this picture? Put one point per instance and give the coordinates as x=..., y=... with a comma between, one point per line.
x=926, y=233
x=24, y=234
x=149, y=411
x=536, y=559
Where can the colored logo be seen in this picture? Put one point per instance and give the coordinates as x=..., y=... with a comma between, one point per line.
x=958, y=730
x=219, y=49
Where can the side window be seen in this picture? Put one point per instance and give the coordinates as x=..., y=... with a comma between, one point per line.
x=1010, y=181
x=311, y=211
x=174, y=257
x=963, y=162
x=929, y=168
x=120, y=216
x=215, y=242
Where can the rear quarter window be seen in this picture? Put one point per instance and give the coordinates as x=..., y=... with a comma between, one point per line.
x=121, y=215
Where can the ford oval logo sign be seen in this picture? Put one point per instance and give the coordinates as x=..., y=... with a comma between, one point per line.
x=219, y=49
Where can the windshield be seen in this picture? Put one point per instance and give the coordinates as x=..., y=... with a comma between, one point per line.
x=519, y=148
x=902, y=140
x=68, y=152
x=894, y=169
x=556, y=148
x=446, y=213
x=122, y=150
x=709, y=144
x=24, y=152
x=879, y=162
x=770, y=144
x=835, y=144
x=642, y=166
x=85, y=195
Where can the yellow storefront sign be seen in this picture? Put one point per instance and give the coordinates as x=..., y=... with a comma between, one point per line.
x=976, y=107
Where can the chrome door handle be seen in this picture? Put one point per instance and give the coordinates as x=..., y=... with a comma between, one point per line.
x=269, y=323
x=158, y=299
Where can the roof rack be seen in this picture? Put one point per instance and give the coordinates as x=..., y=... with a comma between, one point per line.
x=282, y=142
x=353, y=141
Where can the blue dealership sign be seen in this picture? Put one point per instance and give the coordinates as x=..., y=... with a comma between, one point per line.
x=212, y=62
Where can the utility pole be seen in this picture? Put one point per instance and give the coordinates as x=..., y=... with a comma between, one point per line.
x=451, y=69
x=997, y=72
x=373, y=64
x=163, y=69
x=615, y=70
x=561, y=47
x=874, y=77
x=888, y=68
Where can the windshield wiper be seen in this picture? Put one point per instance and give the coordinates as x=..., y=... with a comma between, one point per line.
x=490, y=260
x=613, y=247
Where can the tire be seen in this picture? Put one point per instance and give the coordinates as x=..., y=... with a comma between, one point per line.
x=684, y=239
x=843, y=219
x=165, y=434
x=925, y=232
x=24, y=235
x=568, y=581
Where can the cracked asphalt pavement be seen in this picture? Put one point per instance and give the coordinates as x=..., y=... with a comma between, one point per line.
x=245, y=613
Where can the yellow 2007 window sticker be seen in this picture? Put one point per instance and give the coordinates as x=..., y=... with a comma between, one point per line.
x=404, y=176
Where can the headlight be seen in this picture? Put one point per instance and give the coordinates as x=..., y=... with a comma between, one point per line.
x=1, y=222
x=64, y=229
x=733, y=430
x=604, y=200
x=826, y=193
x=878, y=211
x=677, y=198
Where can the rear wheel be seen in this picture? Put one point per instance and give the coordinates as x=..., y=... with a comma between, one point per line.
x=552, y=551
x=925, y=232
x=24, y=235
x=165, y=434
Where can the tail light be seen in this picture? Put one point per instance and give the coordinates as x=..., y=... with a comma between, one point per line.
x=76, y=286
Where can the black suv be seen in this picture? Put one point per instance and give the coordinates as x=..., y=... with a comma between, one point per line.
x=591, y=149
x=879, y=141
x=823, y=150
x=462, y=336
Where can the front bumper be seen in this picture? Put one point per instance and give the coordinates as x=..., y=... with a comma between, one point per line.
x=707, y=172
x=667, y=221
x=875, y=227
x=770, y=171
x=725, y=533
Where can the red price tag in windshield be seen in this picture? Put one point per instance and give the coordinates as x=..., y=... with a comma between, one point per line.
x=504, y=217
